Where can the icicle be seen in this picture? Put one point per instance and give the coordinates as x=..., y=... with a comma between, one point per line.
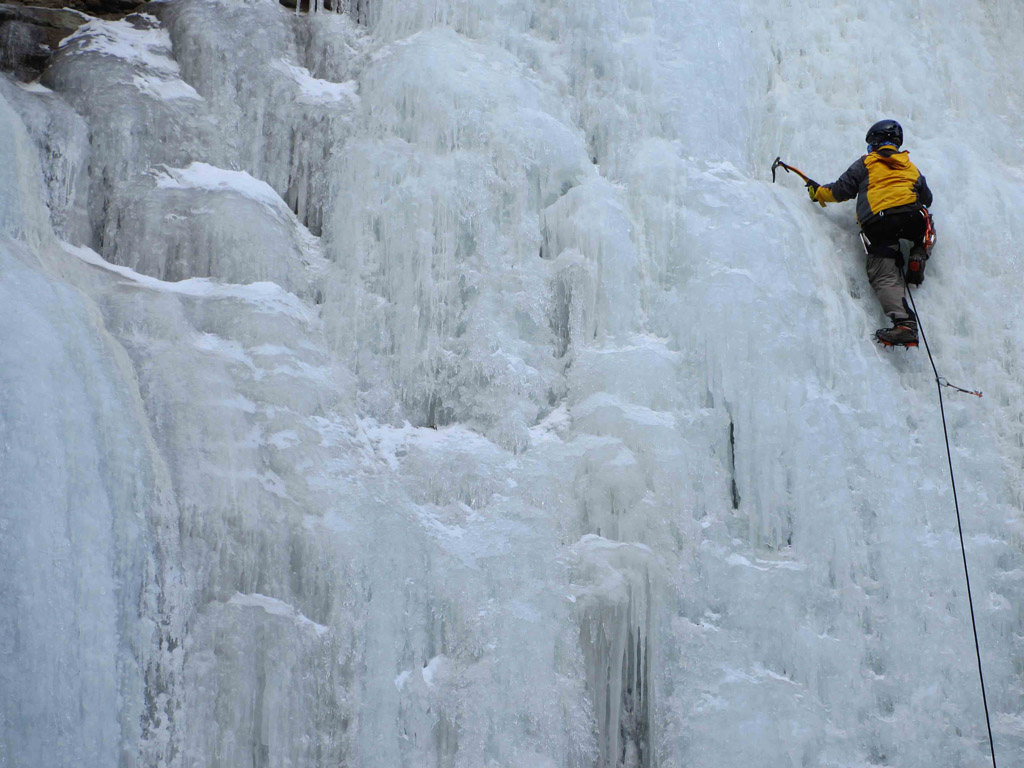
x=614, y=614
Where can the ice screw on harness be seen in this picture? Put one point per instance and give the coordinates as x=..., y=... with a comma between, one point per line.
x=919, y=254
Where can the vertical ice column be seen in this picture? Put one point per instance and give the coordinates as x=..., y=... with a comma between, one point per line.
x=76, y=484
x=614, y=611
x=60, y=135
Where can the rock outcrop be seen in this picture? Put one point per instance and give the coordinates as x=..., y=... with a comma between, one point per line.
x=29, y=34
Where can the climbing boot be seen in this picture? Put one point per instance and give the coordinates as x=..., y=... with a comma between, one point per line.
x=914, y=274
x=903, y=333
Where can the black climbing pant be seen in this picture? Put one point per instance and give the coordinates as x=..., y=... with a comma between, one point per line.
x=882, y=237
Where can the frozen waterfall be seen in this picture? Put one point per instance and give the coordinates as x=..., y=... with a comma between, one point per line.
x=445, y=384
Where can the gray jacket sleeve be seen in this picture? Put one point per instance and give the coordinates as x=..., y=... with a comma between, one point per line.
x=924, y=195
x=848, y=185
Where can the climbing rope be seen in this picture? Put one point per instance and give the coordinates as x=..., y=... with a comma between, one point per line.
x=940, y=383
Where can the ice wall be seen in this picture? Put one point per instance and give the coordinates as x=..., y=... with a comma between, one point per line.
x=445, y=384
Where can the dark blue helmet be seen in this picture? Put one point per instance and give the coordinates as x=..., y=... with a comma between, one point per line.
x=884, y=132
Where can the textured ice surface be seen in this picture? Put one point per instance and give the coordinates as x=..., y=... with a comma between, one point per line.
x=203, y=221
x=444, y=383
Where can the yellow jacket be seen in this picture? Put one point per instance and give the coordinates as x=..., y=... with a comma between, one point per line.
x=882, y=181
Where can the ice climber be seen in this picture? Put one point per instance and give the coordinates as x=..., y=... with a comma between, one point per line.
x=892, y=196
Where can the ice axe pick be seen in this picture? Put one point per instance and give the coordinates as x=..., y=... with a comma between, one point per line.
x=790, y=169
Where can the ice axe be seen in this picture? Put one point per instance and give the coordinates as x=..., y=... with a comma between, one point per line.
x=789, y=168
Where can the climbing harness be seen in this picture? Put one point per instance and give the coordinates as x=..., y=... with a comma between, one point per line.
x=789, y=168
x=940, y=383
x=914, y=273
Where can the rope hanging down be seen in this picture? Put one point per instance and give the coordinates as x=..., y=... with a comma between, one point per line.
x=940, y=382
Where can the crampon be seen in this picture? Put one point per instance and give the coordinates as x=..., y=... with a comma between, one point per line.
x=890, y=344
x=902, y=334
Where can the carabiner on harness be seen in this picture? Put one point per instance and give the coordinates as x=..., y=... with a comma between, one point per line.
x=929, y=229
